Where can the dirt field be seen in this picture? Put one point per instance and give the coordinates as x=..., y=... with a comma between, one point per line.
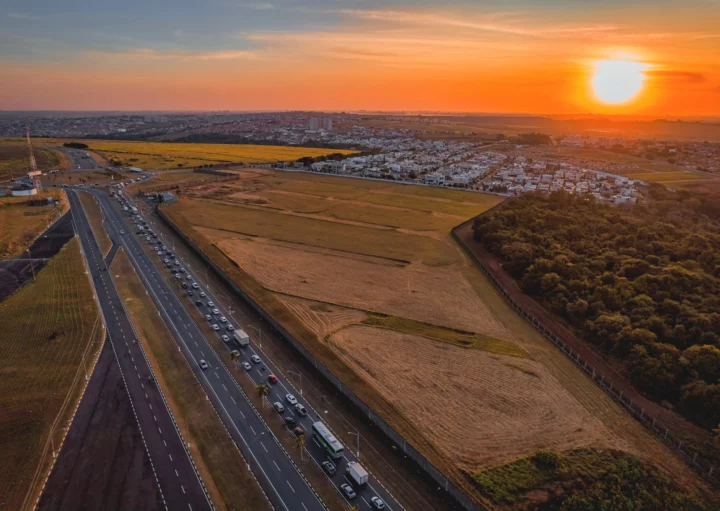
x=15, y=161
x=322, y=253
x=495, y=407
x=51, y=328
x=103, y=460
x=20, y=224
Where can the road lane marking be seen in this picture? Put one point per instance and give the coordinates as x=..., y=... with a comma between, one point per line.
x=263, y=446
x=276, y=466
x=251, y=429
x=288, y=482
x=182, y=488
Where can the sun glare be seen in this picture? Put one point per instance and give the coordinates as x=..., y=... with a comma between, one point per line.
x=618, y=81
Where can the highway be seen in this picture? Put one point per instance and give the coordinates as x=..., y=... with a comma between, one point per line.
x=282, y=481
x=278, y=391
x=179, y=483
x=81, y=159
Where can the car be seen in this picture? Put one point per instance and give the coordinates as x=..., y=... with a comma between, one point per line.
x=377, y=502
x=215, y=327
x=122, y=232
x=208, y=317
x=182, y=270
x=203, y=365
x=235, y=353
x=329, y=468
x=272, y=378
x=195, y=286
x=172, y=256
x=299, y=431
x=246, y=366
x=177, y=263
x=223, y=319
x=289, y=421
x=154, y=235
x=184, y=286
x=279, y=408
x=211, y=304
x=291, y=399
x=225, y=338
x=166, y=260
x=190, y=292
x=198, y=303
x=177, y=276
x=300, y=409
x=230, y=327
x=189, y=278
x=202, y=293
x=214, y=311
x=348, y=491
x=255, y=359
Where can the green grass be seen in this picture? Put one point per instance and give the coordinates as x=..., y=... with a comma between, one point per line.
x=48, y=327
x=459, y=338
x=308, y=231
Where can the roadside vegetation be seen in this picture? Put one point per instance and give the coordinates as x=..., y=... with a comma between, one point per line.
x=51, y=333
x=640, y=283
x=585, y=480
x=230, y=483
x=15, y=161
x=21, y=223
x=96, y=217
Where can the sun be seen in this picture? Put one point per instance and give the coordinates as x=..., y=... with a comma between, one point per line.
x=618, y=81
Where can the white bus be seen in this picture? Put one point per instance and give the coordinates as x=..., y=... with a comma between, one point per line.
x=327, y=440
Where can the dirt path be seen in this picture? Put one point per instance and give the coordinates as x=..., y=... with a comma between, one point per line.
x=103, y=464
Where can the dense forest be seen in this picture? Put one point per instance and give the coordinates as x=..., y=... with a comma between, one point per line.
x=640, y=282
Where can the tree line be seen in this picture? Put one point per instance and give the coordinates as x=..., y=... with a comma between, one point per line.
x=642, y=283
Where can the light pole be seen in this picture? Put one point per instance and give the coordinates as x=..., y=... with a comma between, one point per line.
x=259, y=334
x=299, y=375
x=357, y=434
x=256, y=438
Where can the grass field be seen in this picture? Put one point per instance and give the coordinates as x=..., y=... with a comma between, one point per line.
x=51, y=328
x=366, y=276
x=165, y=180
x=167, y=155
x=96, y=217
x=20, y=224
x=14, y=160
x=225, y=473
x=669, y=177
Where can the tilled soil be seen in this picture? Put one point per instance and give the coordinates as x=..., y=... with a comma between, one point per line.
x=103, y=463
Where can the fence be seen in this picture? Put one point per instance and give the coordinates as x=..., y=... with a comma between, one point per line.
x=697, y=462
x=443, y=481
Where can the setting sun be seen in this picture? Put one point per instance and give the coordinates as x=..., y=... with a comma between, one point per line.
x=618, y=81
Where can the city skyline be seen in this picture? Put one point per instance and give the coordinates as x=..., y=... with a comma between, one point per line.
x=501, y=57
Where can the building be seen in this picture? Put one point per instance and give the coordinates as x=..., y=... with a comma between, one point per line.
x=321, y=123
x=327, y=124
x=24, y=190
x=315, y=123
x=137, y=170
x=434, y=179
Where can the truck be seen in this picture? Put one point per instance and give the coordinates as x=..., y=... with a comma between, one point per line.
x=356, y=473
x=241, y=338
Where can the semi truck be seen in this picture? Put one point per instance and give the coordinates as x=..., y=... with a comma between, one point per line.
x=241, y=337
x=356, y=473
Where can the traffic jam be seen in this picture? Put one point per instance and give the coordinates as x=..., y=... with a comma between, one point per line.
x=328, y=452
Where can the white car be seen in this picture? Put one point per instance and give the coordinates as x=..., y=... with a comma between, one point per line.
x=255, y=359
x=279, y=408
x=377, y=503
x=122, y=232
x=215, y=327
x=225, y=338
x=211, y=304
x=195, y=286
x=203, y=365
x=202, y=294
x=291, y=399
x=208, y=317
x=246, y=366
x=214, y=311
x=300, y=409
x=230, y=327
x=223, y=319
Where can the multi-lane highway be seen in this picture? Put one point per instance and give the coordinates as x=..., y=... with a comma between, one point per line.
x=284, y=484
x=259, y=372
x=81, y=159
x=179, y=482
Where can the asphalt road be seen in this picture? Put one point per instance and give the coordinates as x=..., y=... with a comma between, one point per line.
x=282, y=481
x=179, y=482
x=81, y=159
x=278, y=391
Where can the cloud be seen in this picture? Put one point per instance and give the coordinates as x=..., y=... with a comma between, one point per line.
x=21, y=16
x=258, y=6
x=150, y=54
x=676, y=75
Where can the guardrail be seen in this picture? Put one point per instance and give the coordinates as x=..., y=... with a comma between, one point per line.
x=443, y=481
x=606, y=382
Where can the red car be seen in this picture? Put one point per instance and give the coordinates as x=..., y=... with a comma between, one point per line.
x=272, y=378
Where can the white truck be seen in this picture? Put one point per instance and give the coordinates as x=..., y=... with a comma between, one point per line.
x=241, y=337
x=356, y=473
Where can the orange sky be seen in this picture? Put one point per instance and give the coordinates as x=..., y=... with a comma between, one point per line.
x=413, y=56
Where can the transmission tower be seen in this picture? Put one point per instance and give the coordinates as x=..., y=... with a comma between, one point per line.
x=34, y=173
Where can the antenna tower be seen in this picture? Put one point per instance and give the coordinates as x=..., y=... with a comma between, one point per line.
x=34, y=173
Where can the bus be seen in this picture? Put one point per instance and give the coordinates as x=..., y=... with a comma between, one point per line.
x=327, y=440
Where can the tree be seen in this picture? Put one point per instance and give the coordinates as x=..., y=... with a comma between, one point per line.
x=300, y=443
x=263, y=390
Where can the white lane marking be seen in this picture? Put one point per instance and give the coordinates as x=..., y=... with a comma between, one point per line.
x=224, y=386
x=170, y=456
x=276, y=466
x=182, y=488
x=251, y=429
x=288, y=482
x=233, y=399
x=263, y=446
x=176, y=473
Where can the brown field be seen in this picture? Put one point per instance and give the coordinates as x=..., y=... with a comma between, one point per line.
x=495, y=407
x=51, y=331
x=15, y=162
x=287, y=239
x=20, y=224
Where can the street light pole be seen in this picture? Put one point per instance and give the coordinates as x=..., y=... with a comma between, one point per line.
x=357, y=434
x=299, y=375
